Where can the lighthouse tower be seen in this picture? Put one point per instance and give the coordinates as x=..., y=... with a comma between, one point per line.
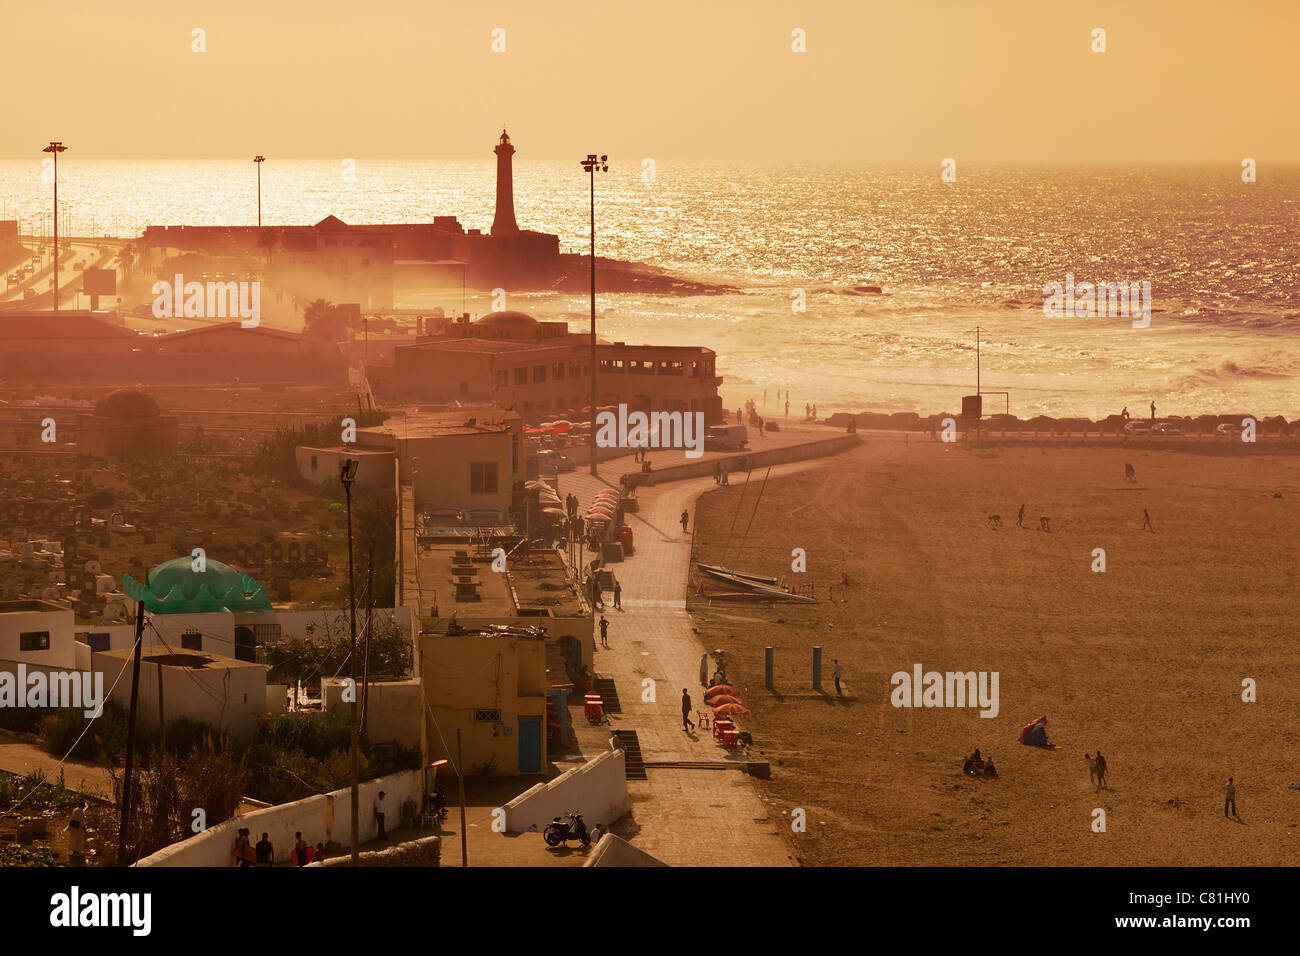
x=504, y=223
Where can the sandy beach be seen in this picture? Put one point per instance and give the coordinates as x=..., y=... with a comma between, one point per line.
x=1145, y=661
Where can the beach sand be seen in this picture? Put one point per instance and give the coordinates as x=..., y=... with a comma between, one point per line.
x=1144, y=661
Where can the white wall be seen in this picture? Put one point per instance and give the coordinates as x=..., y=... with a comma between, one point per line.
x=325, y=818
x=613, y=850
x=227, y=694
x=597, y=789
x=62, y=652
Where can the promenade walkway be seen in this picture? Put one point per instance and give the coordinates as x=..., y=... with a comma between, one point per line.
x=684, y=816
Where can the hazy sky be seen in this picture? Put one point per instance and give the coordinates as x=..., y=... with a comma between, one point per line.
x=706, y=79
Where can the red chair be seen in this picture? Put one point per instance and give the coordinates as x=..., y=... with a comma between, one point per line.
x=702, y=718
x=731, y=739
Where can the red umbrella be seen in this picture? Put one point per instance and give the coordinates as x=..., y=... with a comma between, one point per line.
x=722, y=699
x=720, y=689
x=726, y=710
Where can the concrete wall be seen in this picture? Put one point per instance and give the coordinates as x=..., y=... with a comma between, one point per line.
x=325, y=818
x=392, y=713
x=597, y=789
x=613, y=850
x=757, y=459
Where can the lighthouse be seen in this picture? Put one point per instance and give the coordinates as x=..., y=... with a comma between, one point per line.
x=504, y=222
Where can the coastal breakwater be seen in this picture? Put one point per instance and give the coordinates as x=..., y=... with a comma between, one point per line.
x=756, y=459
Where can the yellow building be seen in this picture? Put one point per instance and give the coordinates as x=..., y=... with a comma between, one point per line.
x=486, y=678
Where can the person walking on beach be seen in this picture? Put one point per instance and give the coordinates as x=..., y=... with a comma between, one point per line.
x=688, y=725
x=1230, y=798
x=685, y=518
x=807, y=411
x=1101, y=770
x=814, y=413
x=717, y=472
x=1020, y=518
x=1146, y=521
x=604, y=632
x=618, y=596
x=1153, y=411
x=787, y=404
x=839, y=672
x=1124, y=413
x=1129, y=473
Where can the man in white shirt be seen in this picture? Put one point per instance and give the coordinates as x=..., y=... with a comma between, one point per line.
x=379, y=814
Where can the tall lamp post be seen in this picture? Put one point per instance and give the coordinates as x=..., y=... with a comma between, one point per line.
x=259, y=160
x=56, y=147
x=591, y=164
x=348, y=474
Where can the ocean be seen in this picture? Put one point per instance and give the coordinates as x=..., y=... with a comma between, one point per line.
x=1221, y=257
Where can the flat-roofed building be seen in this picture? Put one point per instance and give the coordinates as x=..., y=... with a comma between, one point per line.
x=544, y=371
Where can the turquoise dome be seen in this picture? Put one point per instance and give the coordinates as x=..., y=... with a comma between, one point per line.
x=176, y=588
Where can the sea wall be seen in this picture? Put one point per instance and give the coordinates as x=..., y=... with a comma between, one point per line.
x=757, y=459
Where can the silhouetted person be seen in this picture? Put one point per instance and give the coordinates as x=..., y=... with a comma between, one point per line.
x=1020, y=518
x=618, y=596
x=787, y=404
x=1044, y=523
x=1230, y=798
x=1130, y=473
x=265, y=852
x=839, y=672
x=1153, y=411
x=1124, y=413
x=604, y=632
x=685, y=520
x=1101, y=769
x=687, y=723
x=379, y=814
x=1146, y=522
x=300, y=849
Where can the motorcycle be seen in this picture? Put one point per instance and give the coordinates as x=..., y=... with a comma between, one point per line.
x=560, y=831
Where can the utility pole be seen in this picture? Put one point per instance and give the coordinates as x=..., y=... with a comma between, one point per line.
x=56, y=148
x=370, y=620
x=124, y=820
x=347, y=475
x=259, y=160
x=591, y=164
x=460, y=772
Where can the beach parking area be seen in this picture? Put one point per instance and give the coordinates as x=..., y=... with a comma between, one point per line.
x=1145, y=660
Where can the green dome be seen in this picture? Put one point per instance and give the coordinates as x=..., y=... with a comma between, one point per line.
x=176, y=588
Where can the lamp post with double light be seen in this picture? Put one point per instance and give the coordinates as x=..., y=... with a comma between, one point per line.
x=591, y=164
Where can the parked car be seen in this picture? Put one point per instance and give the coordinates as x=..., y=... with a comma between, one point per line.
x=554, y=462
x=1138, y=428
x=1228, y=428
x=1165, y=428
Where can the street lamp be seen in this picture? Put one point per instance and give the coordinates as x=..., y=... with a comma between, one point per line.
x=56, y=147
x=347, y=475
x=259, y=160
x=591, y=164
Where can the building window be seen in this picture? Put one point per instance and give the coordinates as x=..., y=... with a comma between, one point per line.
x=557, y=371
x=521, y=376
x=539, y=373
x=192, y=640
x=487, y=715
x=34, y=641
x=503, y=379
x=483, y=477
x=313, y=462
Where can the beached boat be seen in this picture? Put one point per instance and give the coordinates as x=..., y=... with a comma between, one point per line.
x=763, y=596
x=730, y=577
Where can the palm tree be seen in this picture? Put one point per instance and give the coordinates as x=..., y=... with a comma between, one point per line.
x=321, y=319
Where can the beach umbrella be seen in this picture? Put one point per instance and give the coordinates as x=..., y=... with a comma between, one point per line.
x=727, y=710
x=553, y=511
x=720, y=689
x=723, y=699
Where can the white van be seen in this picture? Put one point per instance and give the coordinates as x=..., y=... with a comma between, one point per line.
x=725, y=437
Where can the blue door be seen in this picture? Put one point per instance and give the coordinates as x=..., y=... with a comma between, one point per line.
x=530, y=745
